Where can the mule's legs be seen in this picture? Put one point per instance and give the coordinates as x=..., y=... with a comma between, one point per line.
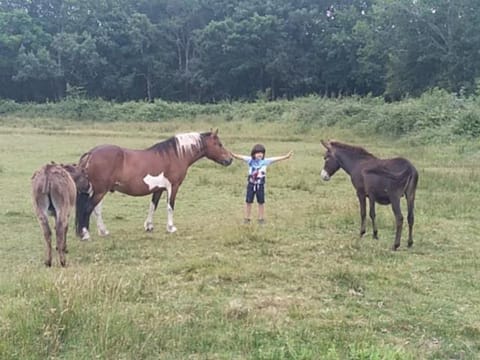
x=399, y=222
x=372, y=216
x=148, y=224
x=363, y=213
x=170, y=207
x=97, y=213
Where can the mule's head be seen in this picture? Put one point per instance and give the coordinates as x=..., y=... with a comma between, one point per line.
x=331, y=164
x=214, y=149
x=79, y=176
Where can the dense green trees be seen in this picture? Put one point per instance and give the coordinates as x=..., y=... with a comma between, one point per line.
x=211, y=50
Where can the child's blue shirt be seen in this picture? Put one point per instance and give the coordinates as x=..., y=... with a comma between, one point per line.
x=257, y=169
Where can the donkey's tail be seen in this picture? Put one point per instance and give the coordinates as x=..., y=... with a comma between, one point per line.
x=412, y=181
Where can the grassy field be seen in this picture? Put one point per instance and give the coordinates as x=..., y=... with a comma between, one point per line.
x=303, y=286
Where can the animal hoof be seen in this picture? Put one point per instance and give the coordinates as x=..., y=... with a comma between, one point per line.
x=85, y=235
x=410, y=244
x=375, y=236
x=171, y=229
x=103, y=232
x=148, y=227
x=395, y=247
x=48, y=263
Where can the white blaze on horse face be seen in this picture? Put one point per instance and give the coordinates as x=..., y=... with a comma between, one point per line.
x=324, y=175
x=159, y=181
x=187, y=142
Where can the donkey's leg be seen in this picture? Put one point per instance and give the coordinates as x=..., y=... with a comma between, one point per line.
x=148, y=224
x=372, y=216
x=41, y=204
x=47, y=233
x=61, y=228
x=363, y=213
x=399, y=222
x=410, y=217
x=170, y=207
x=97, y=213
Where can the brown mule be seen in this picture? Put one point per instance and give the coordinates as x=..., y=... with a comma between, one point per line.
x=161, y=167
x=54, y=189
x=383, y=181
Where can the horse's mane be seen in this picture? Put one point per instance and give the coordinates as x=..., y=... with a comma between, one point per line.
x=172, y=143
x=351, y=148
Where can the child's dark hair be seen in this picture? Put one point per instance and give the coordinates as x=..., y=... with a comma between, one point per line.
x=257, y=148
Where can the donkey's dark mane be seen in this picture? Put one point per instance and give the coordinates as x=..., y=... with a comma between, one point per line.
x=354, y=149
x=171, y=144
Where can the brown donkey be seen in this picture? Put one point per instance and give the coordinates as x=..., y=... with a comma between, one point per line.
x=382, y=181
x=54, y=190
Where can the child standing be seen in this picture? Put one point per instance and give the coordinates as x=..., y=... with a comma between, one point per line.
x=257, y=170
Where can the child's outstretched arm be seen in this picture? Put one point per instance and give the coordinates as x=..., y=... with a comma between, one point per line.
x=280, y=158
x=237, y=156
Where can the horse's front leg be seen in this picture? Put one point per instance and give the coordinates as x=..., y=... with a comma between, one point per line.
x=148, y=224
x=399, y=222
x=363, y=212
x=97, y=213
x=170, y=207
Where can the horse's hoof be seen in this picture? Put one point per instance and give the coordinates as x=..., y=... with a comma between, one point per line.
x=410, y=244
x=48, y=263
x=171, y=229
x=395, y=247
x=104, y=232
x=85, y=235
x=148, y=227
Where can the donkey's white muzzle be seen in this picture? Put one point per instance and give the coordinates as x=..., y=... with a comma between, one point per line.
x=324, y=175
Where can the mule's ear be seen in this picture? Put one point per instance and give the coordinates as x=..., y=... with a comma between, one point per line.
x=326, y=144
x=216, y=132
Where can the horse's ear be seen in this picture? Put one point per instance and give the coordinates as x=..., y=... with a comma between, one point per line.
x=326, y=144
x=216, y=132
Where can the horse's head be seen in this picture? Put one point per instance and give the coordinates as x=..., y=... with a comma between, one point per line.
x=79, y=176
x=331, y=164
x=214, y=149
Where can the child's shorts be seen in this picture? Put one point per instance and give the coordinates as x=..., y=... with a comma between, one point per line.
x=257, y=190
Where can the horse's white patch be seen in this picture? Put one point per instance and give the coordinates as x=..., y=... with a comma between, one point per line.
x=187, y=142
x=159, y=181
x=324, y=175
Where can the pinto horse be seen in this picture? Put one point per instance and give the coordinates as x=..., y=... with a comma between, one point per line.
x=383, y=181
x=161, y=167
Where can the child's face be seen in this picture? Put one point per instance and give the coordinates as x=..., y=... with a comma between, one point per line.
x=258, y=156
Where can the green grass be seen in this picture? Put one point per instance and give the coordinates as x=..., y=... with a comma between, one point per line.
x=304, y=286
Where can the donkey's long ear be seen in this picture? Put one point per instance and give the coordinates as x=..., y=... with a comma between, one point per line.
x=326, y=144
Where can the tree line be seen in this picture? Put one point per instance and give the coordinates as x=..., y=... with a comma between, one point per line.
x=215, y=50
